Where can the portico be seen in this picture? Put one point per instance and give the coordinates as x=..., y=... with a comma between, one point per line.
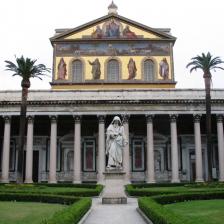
x=163, y=146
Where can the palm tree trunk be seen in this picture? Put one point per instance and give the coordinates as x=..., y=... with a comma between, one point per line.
x=208, y=124
x=22, y=126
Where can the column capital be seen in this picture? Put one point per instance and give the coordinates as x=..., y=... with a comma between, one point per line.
x=53, y=118
x=173, y=118
x=7, y=119
x=30, y=118
x=101, y=118
x=149, y=118
x=125, y=118
x=77, y=118
x=219, y=118
x=197, y=118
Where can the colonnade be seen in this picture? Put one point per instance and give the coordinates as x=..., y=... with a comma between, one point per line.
x=77, y=178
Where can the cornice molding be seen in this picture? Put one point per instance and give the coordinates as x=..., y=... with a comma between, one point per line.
x=118, y=102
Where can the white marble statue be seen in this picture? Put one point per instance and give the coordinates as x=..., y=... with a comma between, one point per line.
x=115, y=143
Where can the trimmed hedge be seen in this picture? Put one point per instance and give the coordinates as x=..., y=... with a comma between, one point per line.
x=158, y=214
x=133, y=190
x=145, y=185
x=173, y=198
x=26, y=197
x=56, y=189
x=150, y=190
x=70, y=215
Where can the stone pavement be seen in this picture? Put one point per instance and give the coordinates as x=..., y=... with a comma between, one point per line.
x=114, y=213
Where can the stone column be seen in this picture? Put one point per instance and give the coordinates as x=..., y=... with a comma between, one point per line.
x=220, y=146
x=126, y=154
x=6, y=150
x=174, y=149
x=101, y=149
x=29, y=151
x=77, y=150
x=150, y=150
x=53, y=151
x=198, y=150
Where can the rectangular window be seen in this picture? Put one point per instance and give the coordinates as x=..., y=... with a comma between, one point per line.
x=138, y=155
x=89, y=155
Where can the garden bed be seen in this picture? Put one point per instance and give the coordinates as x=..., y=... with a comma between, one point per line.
x=80, y=190
x=157, y=209
x=168, y=188
x=71, y=214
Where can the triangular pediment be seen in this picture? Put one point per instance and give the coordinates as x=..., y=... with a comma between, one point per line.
x=110, y=27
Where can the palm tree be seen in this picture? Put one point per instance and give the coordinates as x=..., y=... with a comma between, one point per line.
x=26, y=69
x=207, y=63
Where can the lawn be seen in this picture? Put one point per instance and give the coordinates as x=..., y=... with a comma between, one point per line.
x=200, y=211
x=26, y=212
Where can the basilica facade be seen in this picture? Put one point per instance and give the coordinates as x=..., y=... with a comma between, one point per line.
x=108, y=67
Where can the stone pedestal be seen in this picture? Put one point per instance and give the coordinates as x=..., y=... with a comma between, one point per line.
x=114, y=187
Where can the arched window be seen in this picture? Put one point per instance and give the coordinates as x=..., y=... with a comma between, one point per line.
x=113, y=70
x=148, y=69
x=77, y=71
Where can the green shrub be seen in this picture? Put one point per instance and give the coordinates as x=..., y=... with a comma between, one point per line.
x=72, y=214
x=135, y=191
x=152, y=190
x=173, y=198
x=158, y=214
x=145, y=185
x=154, y=210
x=56, y=189
x=26, y=197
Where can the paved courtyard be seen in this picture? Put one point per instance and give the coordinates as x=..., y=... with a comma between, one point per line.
x=108, y=214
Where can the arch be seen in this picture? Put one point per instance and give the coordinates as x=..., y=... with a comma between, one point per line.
x=113, y=69
x=149, y=69
x=77, y=70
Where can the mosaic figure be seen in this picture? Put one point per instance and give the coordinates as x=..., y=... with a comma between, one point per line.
x=164, y=69
x=62, y=71
x=131, y=69
x=96, y=71
x=128, y=33
x=98, y=33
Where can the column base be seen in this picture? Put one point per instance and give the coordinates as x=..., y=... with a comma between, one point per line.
x=76, y=181
x=199, y=180
x=52, y=182
x=4, y=181
x=175, y=181
x=221, y=180
x=151, y=182
x=28, y=182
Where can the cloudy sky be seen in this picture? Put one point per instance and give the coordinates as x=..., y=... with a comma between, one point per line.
x=27, y=25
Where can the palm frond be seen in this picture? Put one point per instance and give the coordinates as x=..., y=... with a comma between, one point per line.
x=27, y=68
x=205, y=62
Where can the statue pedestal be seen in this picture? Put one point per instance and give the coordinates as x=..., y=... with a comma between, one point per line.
x=114, y=187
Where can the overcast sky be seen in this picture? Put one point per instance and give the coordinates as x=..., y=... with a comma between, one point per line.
x=27, y=25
